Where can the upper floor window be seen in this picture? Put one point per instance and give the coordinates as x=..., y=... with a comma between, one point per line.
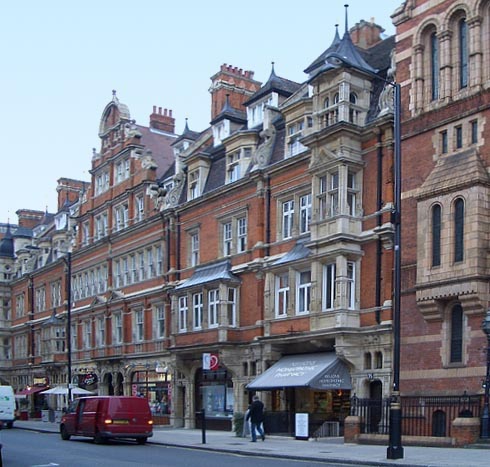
x=101, y=226
x=303, y=292
x=139, y=208
x=101, y=183
x=197, y=307
x=351, y=192
x=101, y=331
x=333, y=194
x=194, y=184
x=232, y=306
x=458, y=230
x=287, y=218
x=463, y=53
x=85, y=233
x=40, y=297
x=183, y=310
x=87, y=334
x=295, y=132
x=233, y=167
x=234, y=235
x=458, y=135
x=444, y=147
x=56, y=293
x=118, y=328
x=434, y=66
x=160, y=320
x=305, y=213
x=436, y=235
x=19, y=305
x=474, y=131
x=351, y=285
x=139, y=322
x=329, y=289
x=121, y=217
x=213, y=308
x=282, y=295
x=122, y=170
x=194, y=244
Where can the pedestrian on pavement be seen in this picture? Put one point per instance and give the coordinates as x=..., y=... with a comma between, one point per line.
x=256, y=416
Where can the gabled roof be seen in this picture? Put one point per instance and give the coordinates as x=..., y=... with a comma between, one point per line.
x=282, y=86
x=188, y=134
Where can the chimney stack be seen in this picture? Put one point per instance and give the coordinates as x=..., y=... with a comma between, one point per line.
x=162, y=121
x=366, y=34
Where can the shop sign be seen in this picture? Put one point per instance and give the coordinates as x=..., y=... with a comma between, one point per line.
x=210, y=361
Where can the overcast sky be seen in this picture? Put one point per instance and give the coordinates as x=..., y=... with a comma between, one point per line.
x=61, y=59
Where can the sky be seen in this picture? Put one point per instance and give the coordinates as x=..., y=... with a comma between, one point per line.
x=62, y=59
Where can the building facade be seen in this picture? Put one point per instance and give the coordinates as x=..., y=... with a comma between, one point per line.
x=257, y=255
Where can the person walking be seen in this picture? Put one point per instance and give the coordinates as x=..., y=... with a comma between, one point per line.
x=256, y=416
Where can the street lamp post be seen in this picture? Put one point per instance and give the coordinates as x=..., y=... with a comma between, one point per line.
x=395, y=449
x=68, y=321
x=485, y=418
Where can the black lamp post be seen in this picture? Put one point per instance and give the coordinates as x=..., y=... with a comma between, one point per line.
x=395, y=449
x=68, y=321
x=485, y=418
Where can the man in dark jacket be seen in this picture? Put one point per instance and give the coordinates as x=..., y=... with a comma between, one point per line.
x=256, y=417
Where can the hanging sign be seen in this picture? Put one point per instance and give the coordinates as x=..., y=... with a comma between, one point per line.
x=210, y=361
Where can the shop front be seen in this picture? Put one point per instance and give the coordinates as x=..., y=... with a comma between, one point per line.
x=156, y=387
x=315, y=386
x=214, y=396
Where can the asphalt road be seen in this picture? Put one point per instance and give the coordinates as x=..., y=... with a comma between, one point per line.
x=23, y=448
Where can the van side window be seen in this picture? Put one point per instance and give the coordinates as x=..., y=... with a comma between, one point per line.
x=90, y=405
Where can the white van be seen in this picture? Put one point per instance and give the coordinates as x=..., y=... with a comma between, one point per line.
x=7, y=405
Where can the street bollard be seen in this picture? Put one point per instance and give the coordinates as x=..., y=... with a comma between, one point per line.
x=203, y=426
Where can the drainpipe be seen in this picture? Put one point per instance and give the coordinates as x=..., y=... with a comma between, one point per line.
x=379, y=246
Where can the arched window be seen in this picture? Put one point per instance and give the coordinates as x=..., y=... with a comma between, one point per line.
x=463, y=53
x=336, y=98
x=458, y=230
x=434, y=66
x=326, y=103
x=436, y=235
x=353, y=98
x=456, y=344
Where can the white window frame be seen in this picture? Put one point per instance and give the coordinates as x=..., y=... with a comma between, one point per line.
x=194, y=241
x=213, y=308
x=282, y=295
x=304, y=213
x=118, y=328
x=87, y=334
x=351, y=285
x=241, y=234
x=287, y=216
x=227, y=238
x=232, y=306
x=101, y=331
x=303, y=292
x=183, y=313
x=197, y=311
x=139, y=325
x=160, y=321
x=139, y=206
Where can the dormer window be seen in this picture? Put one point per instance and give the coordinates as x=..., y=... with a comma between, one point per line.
x=236, y=164
x=255, y=113
x=233, y=167
x=194, y=184
x=121, y=217
x=295, y=132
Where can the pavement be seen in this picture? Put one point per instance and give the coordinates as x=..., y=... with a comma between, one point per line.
x=324, y=450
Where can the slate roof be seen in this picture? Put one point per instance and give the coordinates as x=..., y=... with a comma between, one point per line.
x=160, y=144
x=230, y=113
x=282, y=86
x=7, y=245
x=219, y=271
x=299, y=251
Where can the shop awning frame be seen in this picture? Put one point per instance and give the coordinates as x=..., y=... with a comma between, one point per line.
x=30, y=390
x=322, y=371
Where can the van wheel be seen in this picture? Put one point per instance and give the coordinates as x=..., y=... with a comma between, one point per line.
x=10, y=424
x=64, y=433
x=141, y=440
x=99, y=439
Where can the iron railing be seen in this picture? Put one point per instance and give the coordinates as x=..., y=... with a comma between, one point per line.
x=421, y=416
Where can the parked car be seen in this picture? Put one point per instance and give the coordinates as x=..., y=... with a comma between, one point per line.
x=104, y=417
x=7, y=406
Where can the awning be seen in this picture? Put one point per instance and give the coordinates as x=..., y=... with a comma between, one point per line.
x=30, y=390
x=317, y=371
